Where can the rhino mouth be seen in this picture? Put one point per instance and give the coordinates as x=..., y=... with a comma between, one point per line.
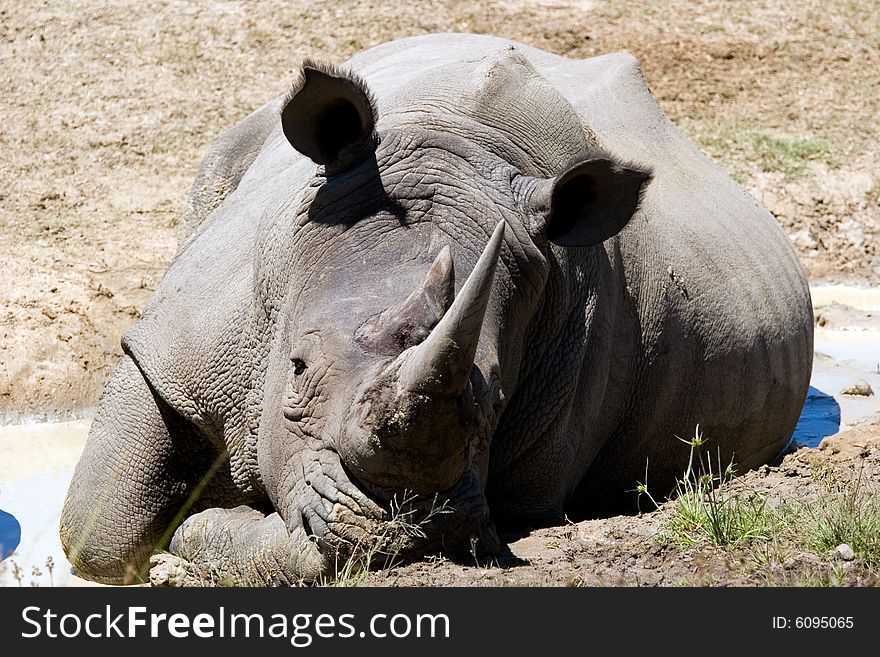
x=359, y=526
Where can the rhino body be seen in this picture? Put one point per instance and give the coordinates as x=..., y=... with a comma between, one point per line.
x=460, y=276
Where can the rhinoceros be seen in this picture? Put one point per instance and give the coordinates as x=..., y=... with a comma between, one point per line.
x=454, y=284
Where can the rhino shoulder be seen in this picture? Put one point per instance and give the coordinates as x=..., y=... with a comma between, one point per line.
x=187, y=342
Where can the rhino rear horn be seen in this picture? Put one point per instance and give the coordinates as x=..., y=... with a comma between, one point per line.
x=409, y=322
x=330, y=117
x=442, y=363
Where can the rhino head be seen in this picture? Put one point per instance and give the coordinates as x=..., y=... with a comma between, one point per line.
x=399, y=291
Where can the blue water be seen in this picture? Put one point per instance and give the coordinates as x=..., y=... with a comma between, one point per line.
x=10, y=534
x=820, y=418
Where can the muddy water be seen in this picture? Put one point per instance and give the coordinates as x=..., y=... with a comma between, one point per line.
x=37, y=460
x=36, y=465
x=862, y=298
x=847, y=354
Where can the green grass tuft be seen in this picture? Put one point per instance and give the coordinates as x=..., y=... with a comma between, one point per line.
x=790, y=155
x=849, y=513
x=744, y=145
x=792, y=544
x=702, y=513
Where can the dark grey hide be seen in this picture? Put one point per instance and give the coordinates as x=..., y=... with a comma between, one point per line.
x=455, y=284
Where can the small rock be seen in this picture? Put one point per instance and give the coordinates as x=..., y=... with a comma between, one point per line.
x=860, y=388
x=828, y=444
x=845, y=552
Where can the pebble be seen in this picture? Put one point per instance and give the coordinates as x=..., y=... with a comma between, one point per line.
x=845, y=552
x=860, y=388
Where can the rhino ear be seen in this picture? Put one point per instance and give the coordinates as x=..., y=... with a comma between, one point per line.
x=590, y=202
x=329, y=116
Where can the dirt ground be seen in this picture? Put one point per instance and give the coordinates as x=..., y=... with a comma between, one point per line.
x=108, y=107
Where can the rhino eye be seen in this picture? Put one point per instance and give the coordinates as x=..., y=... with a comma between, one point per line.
x=299, y=366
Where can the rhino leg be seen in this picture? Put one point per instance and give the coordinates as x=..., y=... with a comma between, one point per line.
x=130, y=483
x=323, y=521
x=329, y=534
x=239, y=546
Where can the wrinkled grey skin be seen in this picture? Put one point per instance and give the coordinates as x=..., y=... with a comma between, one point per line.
x=325, y=343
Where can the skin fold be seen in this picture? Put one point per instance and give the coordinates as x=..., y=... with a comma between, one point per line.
x=451, y=285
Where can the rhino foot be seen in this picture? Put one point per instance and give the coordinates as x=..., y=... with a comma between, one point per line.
x=170, y=571
x=242, y=547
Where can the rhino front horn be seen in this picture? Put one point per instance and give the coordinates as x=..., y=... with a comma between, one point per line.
x=442, y=363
